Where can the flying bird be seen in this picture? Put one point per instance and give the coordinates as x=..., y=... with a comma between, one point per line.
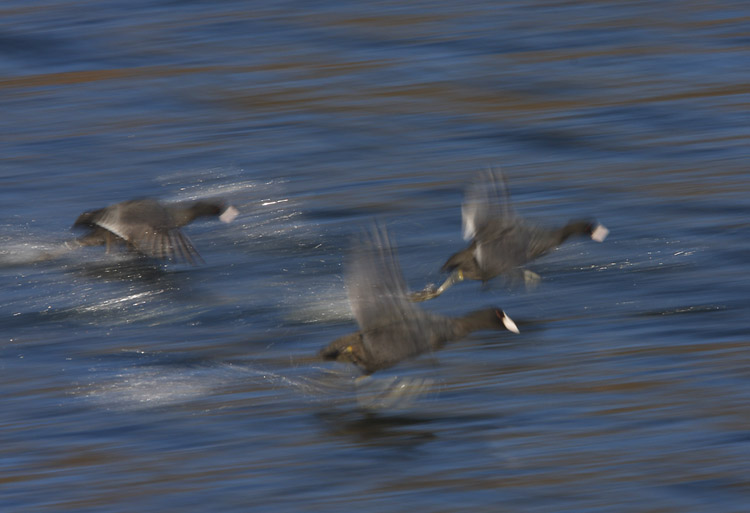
x=501, y=242
x=149, y=227
x=391, y=327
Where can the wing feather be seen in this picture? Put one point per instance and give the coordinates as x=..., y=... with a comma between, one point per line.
x=393, y=327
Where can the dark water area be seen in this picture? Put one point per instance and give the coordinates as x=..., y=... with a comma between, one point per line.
x=133, y=386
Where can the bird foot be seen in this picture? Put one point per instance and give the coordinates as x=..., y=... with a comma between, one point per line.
x=428, y=292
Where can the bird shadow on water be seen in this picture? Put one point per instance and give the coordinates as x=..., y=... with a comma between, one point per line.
x=391, y=410
x=373, y=428
x=405, y=429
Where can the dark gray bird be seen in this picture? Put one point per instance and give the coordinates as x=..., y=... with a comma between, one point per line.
x=391, y=328
x=501, y=241
x=149, y=227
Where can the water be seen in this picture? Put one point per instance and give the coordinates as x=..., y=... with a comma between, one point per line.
x=133, y=387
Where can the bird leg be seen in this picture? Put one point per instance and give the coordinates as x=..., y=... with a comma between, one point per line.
x=431, y=292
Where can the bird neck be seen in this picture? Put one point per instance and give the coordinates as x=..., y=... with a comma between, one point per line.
x=186, y=215
x=577, y=227
x=485, y=319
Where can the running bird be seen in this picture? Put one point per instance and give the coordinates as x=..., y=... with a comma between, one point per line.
x=149, y=227
x=501, y=241
x=391, y=328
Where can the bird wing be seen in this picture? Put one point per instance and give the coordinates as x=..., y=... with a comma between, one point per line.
x=393, y=326
x=148, y=227
x=489, y=219
x=486, y=199
x=166, y=245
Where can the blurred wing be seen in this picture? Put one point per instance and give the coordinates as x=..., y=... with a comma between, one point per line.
x=109, y=219
x=147, y=229
x=486, y=199
x=489, y=219
x=375, y=285
x=378, y=297
x=166, y=245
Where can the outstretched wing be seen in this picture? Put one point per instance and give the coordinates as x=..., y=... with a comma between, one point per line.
x=147, y=226
x=374, y=283
x=393, y=327
x=500, y=236
x=166, y=245
x=486, y=199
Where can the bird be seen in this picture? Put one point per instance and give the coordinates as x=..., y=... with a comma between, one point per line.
x=149, y=227
x=501, y=242
x=391, y=327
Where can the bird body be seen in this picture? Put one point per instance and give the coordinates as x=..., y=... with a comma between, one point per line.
x=499, y=248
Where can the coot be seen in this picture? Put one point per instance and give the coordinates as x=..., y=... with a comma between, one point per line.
x=149, y=227
x=501, y=241
x=391, y=328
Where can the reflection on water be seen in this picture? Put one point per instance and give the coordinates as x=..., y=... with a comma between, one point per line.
x=374, y=429
x=132, y=385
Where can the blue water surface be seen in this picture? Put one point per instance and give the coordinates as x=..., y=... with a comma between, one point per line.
x=130, y=385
